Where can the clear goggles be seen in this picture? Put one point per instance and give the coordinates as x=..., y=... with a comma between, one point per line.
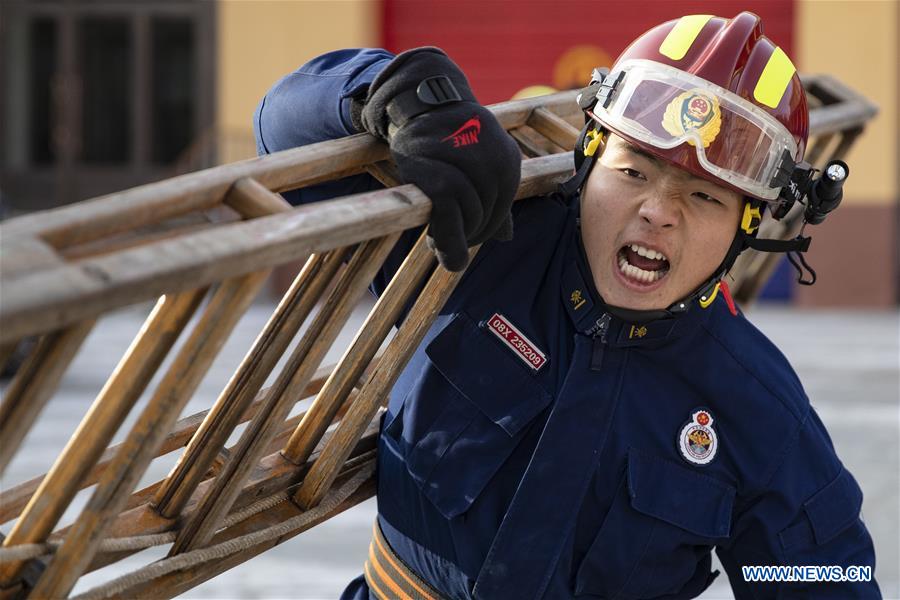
x=735, y=141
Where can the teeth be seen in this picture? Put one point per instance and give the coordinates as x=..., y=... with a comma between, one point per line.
x=638, y=273
x=647, y=252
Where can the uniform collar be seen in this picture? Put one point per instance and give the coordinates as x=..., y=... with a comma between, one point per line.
x=591, y=316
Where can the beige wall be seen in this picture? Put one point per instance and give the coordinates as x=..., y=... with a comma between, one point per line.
x=855, y=251
x=259, y=41
x=857, y=42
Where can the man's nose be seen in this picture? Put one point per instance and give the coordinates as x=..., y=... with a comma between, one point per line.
x=661, y=208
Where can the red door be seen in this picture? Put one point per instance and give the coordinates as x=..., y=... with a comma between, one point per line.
x=506, y=45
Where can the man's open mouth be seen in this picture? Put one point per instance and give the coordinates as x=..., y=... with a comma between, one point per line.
x=642, y=265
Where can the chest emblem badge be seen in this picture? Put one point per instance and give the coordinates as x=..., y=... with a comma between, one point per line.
x=698, y=441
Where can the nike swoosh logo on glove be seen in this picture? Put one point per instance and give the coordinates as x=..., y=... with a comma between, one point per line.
x=467, y=134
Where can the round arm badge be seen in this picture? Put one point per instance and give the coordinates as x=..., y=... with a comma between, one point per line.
x=698, y=441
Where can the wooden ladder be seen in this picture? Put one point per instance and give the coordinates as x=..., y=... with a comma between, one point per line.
x=201, y=246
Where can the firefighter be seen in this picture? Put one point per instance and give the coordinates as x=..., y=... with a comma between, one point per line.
x=590, y=415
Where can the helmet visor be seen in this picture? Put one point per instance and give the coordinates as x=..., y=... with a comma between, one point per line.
x=735, y=141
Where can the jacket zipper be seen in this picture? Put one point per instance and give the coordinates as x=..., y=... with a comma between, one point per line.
x=601, y=327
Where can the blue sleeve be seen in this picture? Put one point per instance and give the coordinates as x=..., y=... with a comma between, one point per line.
x=808, y=516
x=311, y=105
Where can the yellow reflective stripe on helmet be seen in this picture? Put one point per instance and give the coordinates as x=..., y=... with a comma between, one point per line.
x=679, y=40
x=775, y=77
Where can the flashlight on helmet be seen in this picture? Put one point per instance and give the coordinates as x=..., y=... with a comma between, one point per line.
x=822, y=195
x=827, y=192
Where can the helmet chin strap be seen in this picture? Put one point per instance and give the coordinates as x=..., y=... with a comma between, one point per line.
x=818, y=195
x=586, y=153
x=706, y=292
x=744, y=238
x=798, y=184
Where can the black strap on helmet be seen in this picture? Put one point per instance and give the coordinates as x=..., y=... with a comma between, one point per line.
x=592, y=136
x=589, y=141
x=797, y=183
x=821, y=196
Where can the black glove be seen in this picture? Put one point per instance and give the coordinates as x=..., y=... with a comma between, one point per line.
x=448, y=145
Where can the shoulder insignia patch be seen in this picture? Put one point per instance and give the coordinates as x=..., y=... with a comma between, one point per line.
x=697, y=440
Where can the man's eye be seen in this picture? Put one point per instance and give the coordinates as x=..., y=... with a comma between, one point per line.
x=633, y=173
x=707, y=197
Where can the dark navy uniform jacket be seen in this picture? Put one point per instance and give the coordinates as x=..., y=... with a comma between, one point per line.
x=536, y=447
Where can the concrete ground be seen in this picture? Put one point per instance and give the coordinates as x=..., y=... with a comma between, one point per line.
x=848, y=361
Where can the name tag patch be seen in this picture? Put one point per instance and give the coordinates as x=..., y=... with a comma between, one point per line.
x=516, y=341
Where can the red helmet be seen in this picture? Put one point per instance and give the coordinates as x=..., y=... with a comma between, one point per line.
x=713, y=96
